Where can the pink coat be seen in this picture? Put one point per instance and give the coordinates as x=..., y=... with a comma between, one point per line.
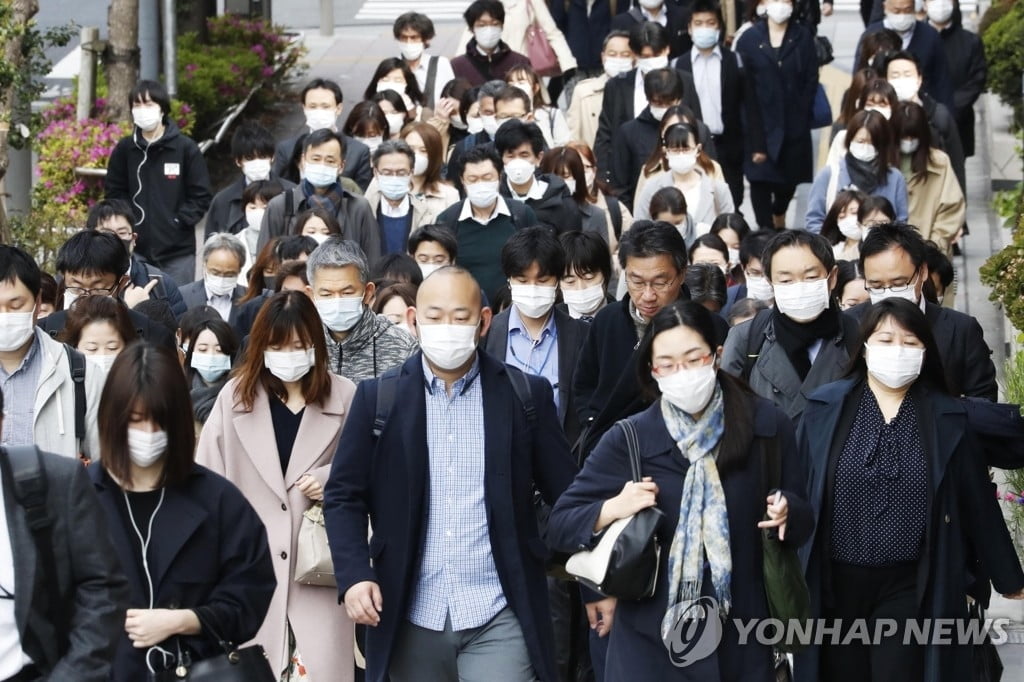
x=240, y=445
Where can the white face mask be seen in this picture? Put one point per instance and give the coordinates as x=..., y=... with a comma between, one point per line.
x=570, y=184
x=533, y=300
x=863, y=151
x=395, y=123
x=658, y=113
x=145, y=448
x=318, y=119
x=614, y=66
x=734, y=257
x=220, y=286
x=340, y=314
x=651, y=4
x=427, y=269
x=254, y=217
x=940, y=11
x=419, y=166
x=490, y=124
x=682, y=162
x=256, y=169
x=590, y=176
x=909, y=146
x=906, y=88
x=16, y=329
x=487, y=37
x=475, y=125
x=689, y=389
x=147, y=118
x=802, y=301
x=894, y=366
x=104, y=362
x=383, y=86
x=211, y=366
x=884, y=111
x=372, y=142
x=901, y=23
x=482, y=194
x=648, y=64
x=289, y=365
x=850, y=228
x=583, y=301
x=779, y=12
x=69, y=300
x=412, y=51
x=759, y=288
x=910, y=294
x=320, y=174
x=519, y=171
x=449, y=346
x=318, y=237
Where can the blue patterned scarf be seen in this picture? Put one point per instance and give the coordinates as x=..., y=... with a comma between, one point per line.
x=329, y=201
x=703, y=524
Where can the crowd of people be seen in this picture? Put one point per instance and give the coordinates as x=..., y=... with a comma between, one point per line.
x=417, y=325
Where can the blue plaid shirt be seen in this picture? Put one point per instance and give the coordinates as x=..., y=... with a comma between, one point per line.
x=540, y=357
x=19, y=388
x=457, y=575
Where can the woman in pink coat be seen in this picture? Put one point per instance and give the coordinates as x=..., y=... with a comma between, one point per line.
x=273, y=432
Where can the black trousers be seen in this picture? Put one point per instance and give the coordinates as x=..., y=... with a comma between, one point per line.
x=870, y=594
x=770, y=199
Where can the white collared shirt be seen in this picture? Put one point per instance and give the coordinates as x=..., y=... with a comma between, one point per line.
x=500, y=208
x=536, y=191
x=222, y=304
x=707, y=77
x=444, y=74
x=12, y=656
x=639, y=96
x=662, y=18
x=399, y=211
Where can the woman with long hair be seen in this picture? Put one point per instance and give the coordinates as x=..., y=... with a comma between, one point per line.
x=99, y=327
x=601, y=194
x=212, y=349
x=841, y=227
x=566, y=163
x=549, y=118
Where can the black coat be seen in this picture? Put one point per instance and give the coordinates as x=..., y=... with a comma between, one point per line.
x=963, y=515
x=946, y=136
x=584, y=27
x=148, y=329
x=779, y=101
x=678, y=16
x=556, y=209
x=386, y=479
x=227, y=214
x=357, y=159
x=926, y=45
x=636, y=651
x=728, y=144
x=632, y=144
x=168, y=187
x=968, y=70
x=208, y=552
x=166, y=289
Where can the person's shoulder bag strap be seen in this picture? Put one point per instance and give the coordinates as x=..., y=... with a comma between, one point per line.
x=755, y=341
x=431, y=78
x=76, y=363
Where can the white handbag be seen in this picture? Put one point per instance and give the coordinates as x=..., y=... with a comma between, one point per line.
x=313, y=564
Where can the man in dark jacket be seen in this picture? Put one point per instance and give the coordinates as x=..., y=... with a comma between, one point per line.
x=672, y=15
x=69, y=592
x=581, y=21
x=486, y=112
x=162, y=173
x=968, y=70
x=487, y=56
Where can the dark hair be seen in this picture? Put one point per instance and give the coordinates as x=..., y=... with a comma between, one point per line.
x=93, y=252
x=482, y=7
x=393, y=147
x=913, y=122
x=482, y=153
x=587, y=156
x=585, y=252
x=89, y=309
x=266, y=259
x=876, y=43
x=853, y=94
x=737, y=397
x=910, y=317
x=386, y=66
x=706, y=283
x=847, y=271
x=900, y=55
x=818, y=245
x=510, y=93
x=435, y=152
x=663, y=84
x=330, y=220
x=261, y=189
x=193, y=317
x=362, y=117
x=513, y=134
x=657, y=161
x=709, y=241
x=647, y=238
x=648, y=34
x=323, y=84
x=878, y=86
x=533, y=245
x=730, y=221
x=414, y=21
x=667, y=199
x=617, y=33
x=226, y=339
x=567, y=160
x=154, y=92
x=537, y=90
x=251, y=141
x=158, y=310
x=47, y=288
x=679, y=135
x=147, y=379
x=290, y=268
x=875, y=202
x=882, y=238
x=881, y=137
x=830, y=225
x=939, y=264
x=280, y=316
x=752, y=246
x=105, y=209
x=435, y=233
x=708, y=6
x=403, y=290
x=745, y=308
x=397, y=267
x=321, y=137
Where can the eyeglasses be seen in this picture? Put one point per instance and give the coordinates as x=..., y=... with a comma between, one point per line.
x=79, y=291
x=895, y=289
x=388, y=173
x=658, y=286
x=667, y=367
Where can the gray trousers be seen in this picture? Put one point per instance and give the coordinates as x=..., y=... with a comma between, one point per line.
x=493, y=651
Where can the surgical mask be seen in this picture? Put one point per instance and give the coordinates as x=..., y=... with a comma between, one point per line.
x=532, y=300
x=583, y=301
x=457, y=122
x=449, y=346
x=384, y=86
x=570, y=184
x=318, y=237
x=759, y=288
x=372, y=142
x=779, y=12
x=340, y=314
x=590, y=176
x=475, y=125
x=490, y=124
x=850, y=228
x=613, y=66
x=412, y=51
x=211, y=366
x=910, y=294
x=254, y=216
x=734, y=257
x=682, y=162
x=894, y=366
x=901, y=23
x=802, y=301
x=395, y=123
x=220, y=286
x=651, y=4
x=427, y=269
x=69, y=300
x=145, y=448
x=319, y=174
x=256, y=169
x=519, y=171
x=658, y=113
x=419, y=166
x=318, y=119
x=289, y=365
x=940, y=11
x=909, y=146
x=648, y=64
x=884, y=111
x=393, y=187
x=104, y=362
x=147, y=118
x=487, y=37
x=689, y=389
x=906, y=88
x=705, y=37
x=863, y=151
x=761, y=10
x=482, y=194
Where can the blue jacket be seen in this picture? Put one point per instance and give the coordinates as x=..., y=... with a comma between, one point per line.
x=386, y=479
x=894, y=189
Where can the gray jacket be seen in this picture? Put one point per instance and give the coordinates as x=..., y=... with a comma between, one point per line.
x=372, y=347
x=354, y=214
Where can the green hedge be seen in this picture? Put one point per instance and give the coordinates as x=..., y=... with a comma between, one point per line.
x=1003, y=36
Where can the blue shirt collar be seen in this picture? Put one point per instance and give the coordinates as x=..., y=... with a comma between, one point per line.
x=434, y=382
x=515, y=323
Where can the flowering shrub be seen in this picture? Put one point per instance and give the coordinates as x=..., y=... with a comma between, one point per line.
x=1004, y=273
x=1012, y=490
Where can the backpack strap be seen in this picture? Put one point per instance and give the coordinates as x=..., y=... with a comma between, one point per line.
x=755, y=341
x=431, y=79
x=76, y=361
x=615, y=212
x=521, y=387
x=387, y=389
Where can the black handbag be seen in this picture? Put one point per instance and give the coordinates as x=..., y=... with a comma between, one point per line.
x=248, y=664
x=823, y=48
x=987, y=666
x=624, y=563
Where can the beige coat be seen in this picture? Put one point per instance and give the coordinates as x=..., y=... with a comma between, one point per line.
x=517, y=20
x=241, y=446
x=936, y=204
x=585, y=109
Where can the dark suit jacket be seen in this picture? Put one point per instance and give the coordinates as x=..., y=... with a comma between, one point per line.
x=209, y=552
x=584, y=25
x=571, y=334
x=194, y=295
x=357, y=159
x=729, y=144
x=165, y=290
x=386, y=479
x=148, y=329
x=678, y=18
x=926, y=45
x=227, y=214
x=89, y=582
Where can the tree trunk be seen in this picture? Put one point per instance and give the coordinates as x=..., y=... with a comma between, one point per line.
x=22, y=12
x=122, y=56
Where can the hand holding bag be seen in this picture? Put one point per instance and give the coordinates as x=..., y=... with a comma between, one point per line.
x=538, y=48
x=313, y=563
x=624, y=564
x=248, y=664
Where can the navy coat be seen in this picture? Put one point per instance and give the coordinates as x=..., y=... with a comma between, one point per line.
x=963, y=515
x=208, y=551
x=584, y=25
x=387, y=480
x=636, y=651
x=926, y=45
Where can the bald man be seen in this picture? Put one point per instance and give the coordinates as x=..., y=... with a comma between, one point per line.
x=456, y=589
